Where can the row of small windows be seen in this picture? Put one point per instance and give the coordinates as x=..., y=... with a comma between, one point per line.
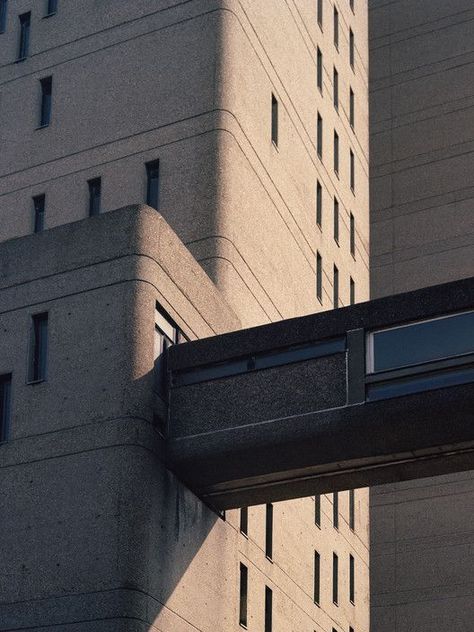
x=319, y=218
x=319, y=149
x=335, y=284
x=335, y=83
x=36, y=369
x=335, y=510
x=95, y=194
x=24, y=25
x=336, y=29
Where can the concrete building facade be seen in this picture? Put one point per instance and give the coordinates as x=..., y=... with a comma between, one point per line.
x=422, y=225
x=246, y=126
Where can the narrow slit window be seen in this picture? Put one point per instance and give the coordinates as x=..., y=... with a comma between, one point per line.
x=51, y=7
x=352, y=291
x=335, y=578
x=167, y=334
x=95, y=194
x=319, y=204
x=352, y=235
x=335, y=507
x=317, y=578
x=320, y=13
x=24, y=42
x=39, y=204
x=336, y=220
x=319, y=136
x=336, y=28
x=336, y=152
x=46, y=101
x=351, y=49
x=153, y=183
x=269, y=531
x=5, y=406
x=38, y=348
x=351, y=4
x=317, y=510
x=352, y=169
x=243, y=595
x=268, y=609
x=352, y=507
x=335, y=291
x=351, y=579
x=319, y=277
x=335, y=82
x=351, y=108
x=3, y=15
x=244, y=521
x=319, y=69
x=274, y=120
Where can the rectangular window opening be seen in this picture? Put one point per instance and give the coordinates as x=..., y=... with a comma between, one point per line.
x=352, y=170
x=319, y=204
x=38, y=348
x=319, y=277
x=51, y=7
x=274, y=120
x=95, y=193
x=335, y=288
x=24, y=43
x=351, y=579
x=351, y=108
x=352, y=508
x=39, y=203
x=153, y=181
x=336, y=152
x=336, y=220
x=317, y=511
x=3, y=15
x=319, y=69
x=317, y=578
x=351, y=49
x=352, y=235
x=46, y=101
x=335, y=81
x=269, y=531
x=243, y=595
x=335, y=579
x=336, y=28
x=268, y=609
x=352, y=297
x=319, y=136
x=244, y=521
x=320, y=13
x=335, y=510
x=5, y=406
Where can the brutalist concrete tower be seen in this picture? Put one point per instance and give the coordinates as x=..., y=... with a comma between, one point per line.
x=422, y=219
x=169, y=171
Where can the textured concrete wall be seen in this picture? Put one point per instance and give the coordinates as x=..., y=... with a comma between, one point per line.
x=422, y=224
x=190, y=84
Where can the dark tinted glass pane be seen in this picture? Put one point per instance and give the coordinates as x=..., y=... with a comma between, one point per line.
x=46, y=99
x=24, y=45
x=3, y=15
x=52, y=7
x=95, y=187
x=274, y=120
x=423, y=342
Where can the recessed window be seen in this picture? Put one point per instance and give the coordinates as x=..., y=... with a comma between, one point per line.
x=352, y=508
x=166, y=334
x=274, y=120
x=38, y=348
x=352, y=169
x=39, y=203
x=46, y=101
x=319, y=277
x=352, y=291
x=153, y=183
x=243, y=595
x=351, y=4
x=352, y=235
x=351, y=579
x=351, y=629
x=335, y=578
x=3, y=15
x=24, y=42
x=319, y=69
x=317, y=578
x=244, y=521
x=336, y=220
x=269, y=531
x=319, y=204
x=336, y=152
x=51, y=7
x=335, y=288
x=335, y=83
x=320, y=13
x=317, y=510
x=351, y=49
x=351, y=108
x=5, y=406
x=319, y=136
x=95, y=193
x=335, y=510
x=268, y=609
x=336, y=28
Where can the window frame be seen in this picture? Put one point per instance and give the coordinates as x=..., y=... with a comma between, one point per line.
x=51, y=8
x=46, y=105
